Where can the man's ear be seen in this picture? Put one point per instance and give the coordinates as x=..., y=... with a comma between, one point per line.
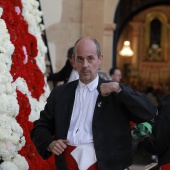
x=100, y=58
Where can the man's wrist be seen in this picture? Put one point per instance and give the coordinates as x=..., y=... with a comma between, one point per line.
x=118, y=89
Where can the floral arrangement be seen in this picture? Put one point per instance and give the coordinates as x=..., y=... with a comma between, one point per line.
x=23, y=87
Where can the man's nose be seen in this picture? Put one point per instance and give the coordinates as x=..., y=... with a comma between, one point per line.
x=85, y=63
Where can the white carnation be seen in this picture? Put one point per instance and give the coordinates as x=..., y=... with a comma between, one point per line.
x=8, y=46
x=20, y=162
x=10, y=89
x=7, y=152
x=5, y=77
x=1, y=11
x=21, y=85
x=8, y=166
x=42, y=28
x=9, y=105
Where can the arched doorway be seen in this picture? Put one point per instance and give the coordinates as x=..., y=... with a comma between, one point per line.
x=151, y=61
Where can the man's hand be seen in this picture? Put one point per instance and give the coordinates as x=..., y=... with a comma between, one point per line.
x=57, y=147
x=107, y=88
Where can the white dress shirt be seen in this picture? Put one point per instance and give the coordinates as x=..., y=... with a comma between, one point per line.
x=80, y=130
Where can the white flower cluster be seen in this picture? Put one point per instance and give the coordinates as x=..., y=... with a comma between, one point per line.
x=36, y=106
x=11, y=134
x=18, y=163
x=33, y=16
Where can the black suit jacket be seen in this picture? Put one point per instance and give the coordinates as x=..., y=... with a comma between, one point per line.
x=111, y=130
x=159, y=141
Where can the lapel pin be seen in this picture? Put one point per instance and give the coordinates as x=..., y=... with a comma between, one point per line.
x=99, y=104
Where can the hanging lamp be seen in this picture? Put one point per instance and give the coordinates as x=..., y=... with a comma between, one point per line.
x=126, y=51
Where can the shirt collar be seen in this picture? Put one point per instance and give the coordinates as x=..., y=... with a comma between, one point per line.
x=92, y=85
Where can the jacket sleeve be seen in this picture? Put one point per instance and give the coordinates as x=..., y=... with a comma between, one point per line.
x=43, y=131
x=139, y=107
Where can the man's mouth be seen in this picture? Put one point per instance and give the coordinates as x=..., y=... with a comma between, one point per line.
x=85, y=72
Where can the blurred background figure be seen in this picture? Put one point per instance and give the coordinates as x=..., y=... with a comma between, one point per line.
x=115, y=74
x=104, y=75
x=150, y=92
x=64, y=74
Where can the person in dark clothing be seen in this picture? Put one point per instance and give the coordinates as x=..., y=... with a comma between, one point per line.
x=159, y=140
x=115, y=74
x=64, y=73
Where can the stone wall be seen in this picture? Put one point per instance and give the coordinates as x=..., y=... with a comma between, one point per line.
x=66, y=21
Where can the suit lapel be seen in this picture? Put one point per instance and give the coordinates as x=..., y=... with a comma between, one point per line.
x=100, y=100
x=70, y=104
x=72, y=95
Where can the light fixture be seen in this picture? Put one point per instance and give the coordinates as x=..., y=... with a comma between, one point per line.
x=126, y=50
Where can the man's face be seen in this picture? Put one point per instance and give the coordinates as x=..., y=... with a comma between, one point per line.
x=86, y=60
x=116, y=76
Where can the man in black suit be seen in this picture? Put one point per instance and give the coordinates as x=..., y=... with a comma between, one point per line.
x=85, y=123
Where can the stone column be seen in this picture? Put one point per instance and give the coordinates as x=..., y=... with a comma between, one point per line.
x=135, y=36
x=108, y=46
x=97, y=21
x=92, y=19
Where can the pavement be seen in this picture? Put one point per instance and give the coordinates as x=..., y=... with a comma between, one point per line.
x=141, y=161
x=137, y=167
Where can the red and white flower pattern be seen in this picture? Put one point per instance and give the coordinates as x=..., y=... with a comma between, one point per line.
x=23, y=87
